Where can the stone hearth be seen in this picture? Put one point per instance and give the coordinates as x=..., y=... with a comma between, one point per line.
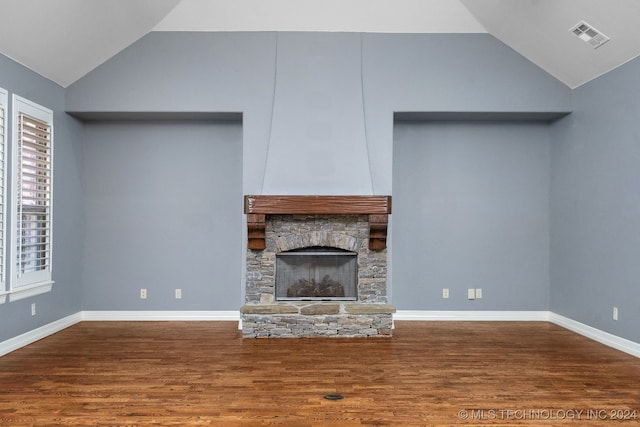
x=313, y=225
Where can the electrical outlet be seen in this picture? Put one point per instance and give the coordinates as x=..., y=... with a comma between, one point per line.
x=471, y=294
x=615, y=313
x=445, y=293
x=178, y=293
x=478, y=293
x=143, y=293
x=33, y=309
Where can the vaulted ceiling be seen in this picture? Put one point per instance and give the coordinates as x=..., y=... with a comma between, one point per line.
x=65, y=39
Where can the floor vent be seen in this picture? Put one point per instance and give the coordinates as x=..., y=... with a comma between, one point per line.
x=589, y=34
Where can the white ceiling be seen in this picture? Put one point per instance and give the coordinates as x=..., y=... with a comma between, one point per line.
x=65, y=39
x=386, y=16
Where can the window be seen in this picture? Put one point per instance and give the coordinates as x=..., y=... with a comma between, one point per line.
x=31, y=196
x=3, y=133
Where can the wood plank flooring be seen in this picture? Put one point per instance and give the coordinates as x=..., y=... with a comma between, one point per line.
x=428, y=374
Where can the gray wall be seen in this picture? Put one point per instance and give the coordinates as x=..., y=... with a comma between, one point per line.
x=595, y=200
x=471, y=210
x=162, y=203
x=191, y=72
x=305, y=110
x=240, y=72
x=594, y=205
x=65, y=298
x=317, y=113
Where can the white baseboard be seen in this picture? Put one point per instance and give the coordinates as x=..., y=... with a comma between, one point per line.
x=506, y=316
x=181, y=316
x=602, y=337
x=30, y=337
x=27, y=338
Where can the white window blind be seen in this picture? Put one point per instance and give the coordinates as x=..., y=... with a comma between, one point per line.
x=31, y=171
x=2, y=192
x=34, y=195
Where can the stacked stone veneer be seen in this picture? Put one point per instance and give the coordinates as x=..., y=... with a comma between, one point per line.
x=370, y=315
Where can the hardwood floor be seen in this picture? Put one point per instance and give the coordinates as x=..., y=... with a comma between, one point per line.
x=428, y=374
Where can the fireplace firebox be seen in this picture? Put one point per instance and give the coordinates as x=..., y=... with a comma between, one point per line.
x=316, y=274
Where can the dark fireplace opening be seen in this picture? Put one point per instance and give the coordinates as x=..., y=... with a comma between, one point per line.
x=316, y=273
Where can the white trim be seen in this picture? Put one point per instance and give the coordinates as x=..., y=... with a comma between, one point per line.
x=22, y=106
x=507, y=316
x=30, y=290
x=602, y=337
x=30, y=337
x=160, y=315
x=3, y=297
x=597, y=335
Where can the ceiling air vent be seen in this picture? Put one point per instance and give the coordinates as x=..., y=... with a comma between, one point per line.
x=589, y=34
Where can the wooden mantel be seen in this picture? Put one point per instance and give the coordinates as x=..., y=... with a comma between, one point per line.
x=258, y=207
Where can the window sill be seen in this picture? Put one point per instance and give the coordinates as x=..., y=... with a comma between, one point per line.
x=30, y=290
x=3, y=297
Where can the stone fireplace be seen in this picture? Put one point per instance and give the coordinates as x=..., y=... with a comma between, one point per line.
x=302, y=253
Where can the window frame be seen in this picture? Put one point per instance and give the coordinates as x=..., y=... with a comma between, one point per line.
x=23, y=285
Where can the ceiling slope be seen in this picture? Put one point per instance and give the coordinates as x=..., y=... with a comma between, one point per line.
x=540, y=31
x=65, y=39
